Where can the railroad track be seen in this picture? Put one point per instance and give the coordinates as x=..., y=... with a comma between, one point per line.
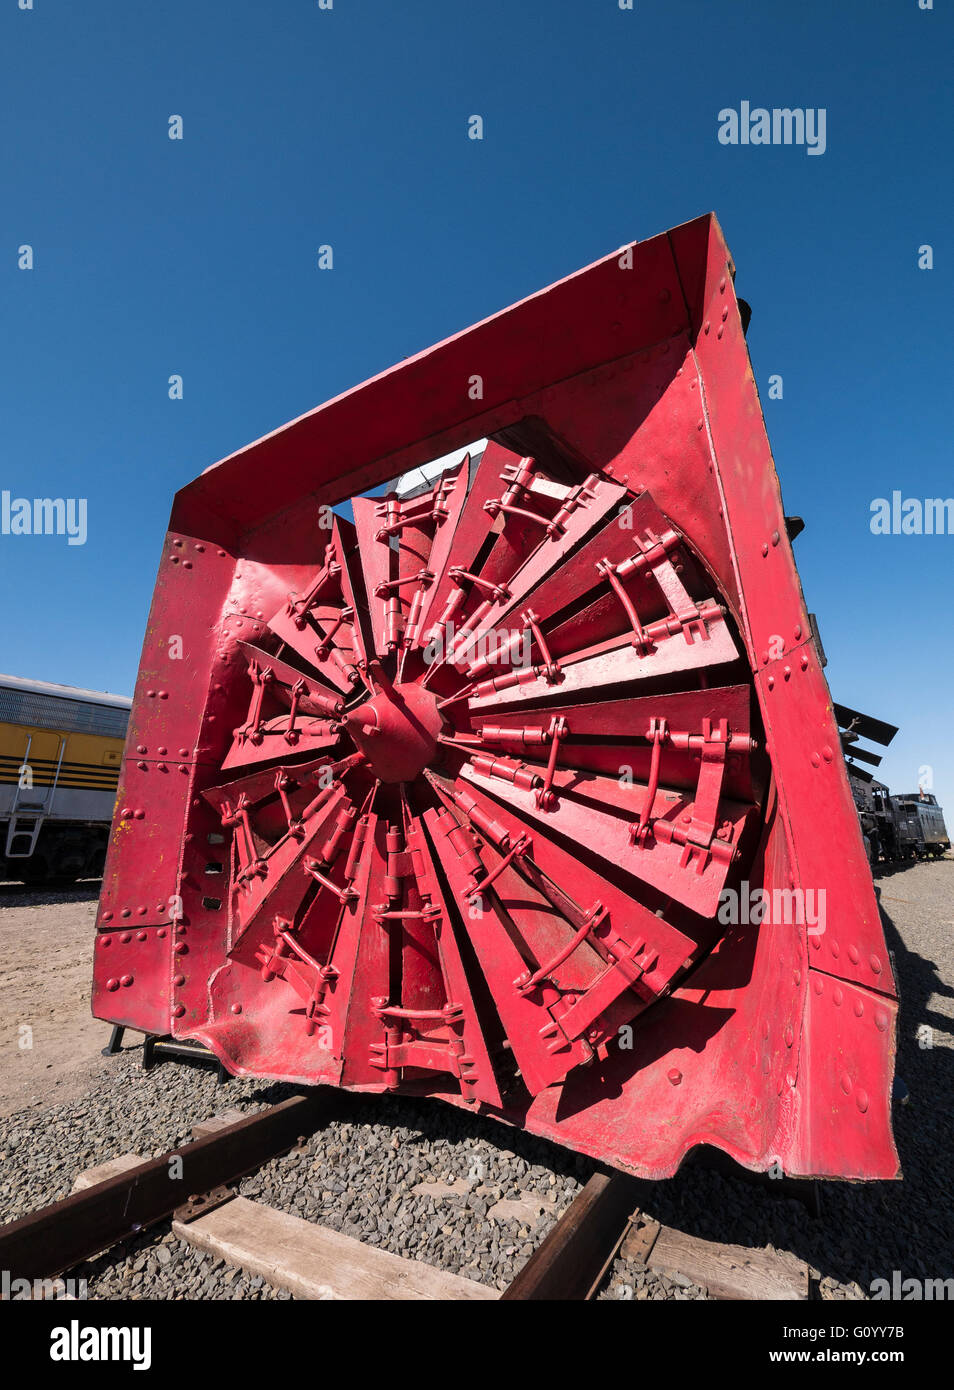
x=570, y=1263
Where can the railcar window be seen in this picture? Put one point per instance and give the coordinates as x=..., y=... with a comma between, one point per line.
x=58, y=712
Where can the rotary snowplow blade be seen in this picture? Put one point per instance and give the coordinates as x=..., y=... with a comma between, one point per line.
x=523, y=790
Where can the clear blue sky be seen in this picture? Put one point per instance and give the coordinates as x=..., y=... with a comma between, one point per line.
x=349, y=127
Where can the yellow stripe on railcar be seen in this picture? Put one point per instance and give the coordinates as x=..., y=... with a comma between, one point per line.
x=61, y=751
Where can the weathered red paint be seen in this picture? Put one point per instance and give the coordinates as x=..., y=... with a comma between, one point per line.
x=496, y=876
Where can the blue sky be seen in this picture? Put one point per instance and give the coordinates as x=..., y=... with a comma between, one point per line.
x=305, y=126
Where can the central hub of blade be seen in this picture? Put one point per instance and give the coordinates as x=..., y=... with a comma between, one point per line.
x=397, y=731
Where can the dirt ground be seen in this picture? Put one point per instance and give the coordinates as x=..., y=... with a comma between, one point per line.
x=49, y=1043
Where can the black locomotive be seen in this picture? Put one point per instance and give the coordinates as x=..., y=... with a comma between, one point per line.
x=909, y=826
x=896, y=828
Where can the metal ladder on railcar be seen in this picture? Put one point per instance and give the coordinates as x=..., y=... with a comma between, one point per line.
x=29, y=825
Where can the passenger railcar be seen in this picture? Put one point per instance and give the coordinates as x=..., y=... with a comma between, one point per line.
x=923, y=821
x=60, y=755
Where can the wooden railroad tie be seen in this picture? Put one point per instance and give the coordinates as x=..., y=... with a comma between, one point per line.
x=312, y=1261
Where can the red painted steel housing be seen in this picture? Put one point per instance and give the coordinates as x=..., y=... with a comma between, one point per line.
x=628, y=384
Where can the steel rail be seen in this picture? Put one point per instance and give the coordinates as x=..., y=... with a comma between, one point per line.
x=571, y=1262
x=56, y=1237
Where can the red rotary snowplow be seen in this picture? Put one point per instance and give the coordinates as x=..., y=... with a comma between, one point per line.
x=522, y=787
